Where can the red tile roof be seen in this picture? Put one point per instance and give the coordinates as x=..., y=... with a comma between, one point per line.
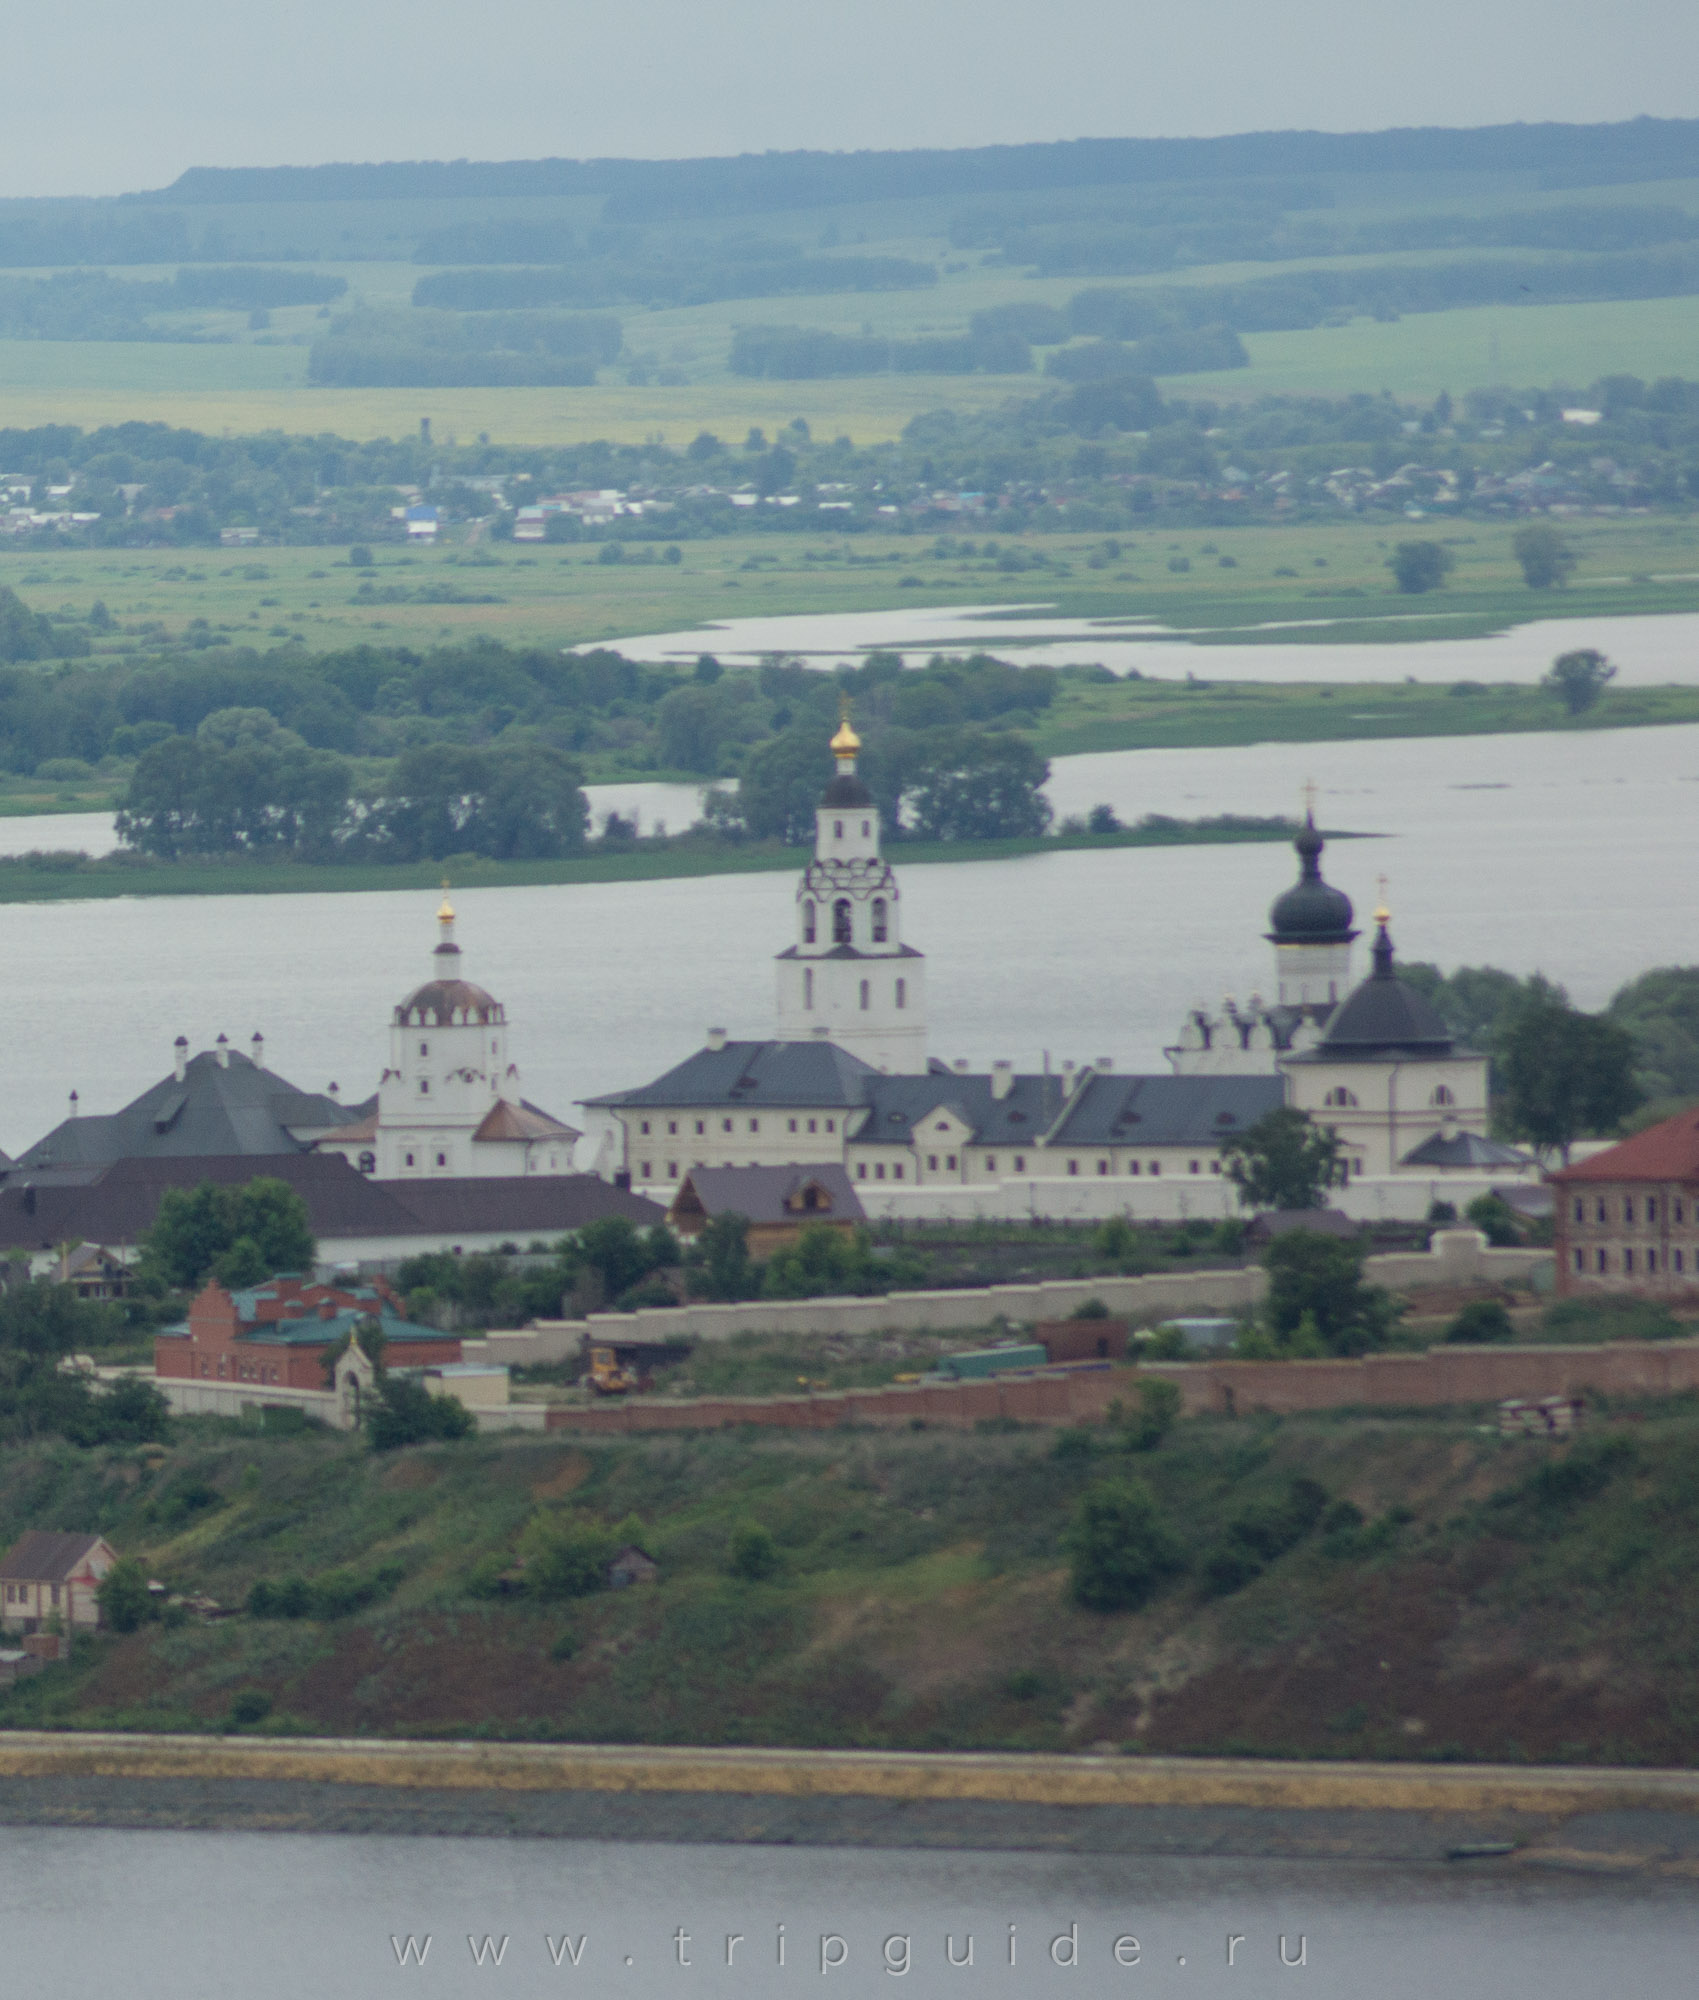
x=1668, y=1151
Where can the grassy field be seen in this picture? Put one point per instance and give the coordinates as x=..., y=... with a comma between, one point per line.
x=23, y=882
x=1466, y=1598
x=1337, y=584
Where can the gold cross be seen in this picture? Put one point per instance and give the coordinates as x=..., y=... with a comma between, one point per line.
x=1310, y=797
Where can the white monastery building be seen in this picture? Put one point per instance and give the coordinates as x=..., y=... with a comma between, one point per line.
x=847, y=1079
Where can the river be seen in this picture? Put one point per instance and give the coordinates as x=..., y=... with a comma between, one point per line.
x=1563, y=853
x=1647, y=650
x=275, y=1916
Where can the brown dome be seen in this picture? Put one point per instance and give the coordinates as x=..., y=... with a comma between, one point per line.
x=448, y=1003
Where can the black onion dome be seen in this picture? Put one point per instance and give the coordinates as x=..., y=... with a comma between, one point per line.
x=1311, y=911
x=1384, y=1016
x=846, y=789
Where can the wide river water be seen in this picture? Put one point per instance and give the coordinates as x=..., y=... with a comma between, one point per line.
x=1565, y=853
x=279, y=1916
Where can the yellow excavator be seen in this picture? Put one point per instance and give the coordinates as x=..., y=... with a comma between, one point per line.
x=608, y=1376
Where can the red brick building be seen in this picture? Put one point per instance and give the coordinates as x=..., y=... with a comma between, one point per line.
x=1627, y=1220
x=277, y=1333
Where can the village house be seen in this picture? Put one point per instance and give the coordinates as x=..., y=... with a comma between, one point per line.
x=1627, y=1219
x=778, y=1203
x=46, y=1575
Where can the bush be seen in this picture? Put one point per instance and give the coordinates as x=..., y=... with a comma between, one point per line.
x=753, y=1555
x=125, y=1602
x=1122, y=1551
x=1480, y=1322
x=1493, y=1216
x=565, y=1556
x=1612, y=1317
x=405, y=1412
x=1156, y=1408
x=249, y=1706
x=1261, y=1534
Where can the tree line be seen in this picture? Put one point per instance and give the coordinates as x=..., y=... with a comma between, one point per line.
x=687, y=275
x=92, y=305
x=376, y=349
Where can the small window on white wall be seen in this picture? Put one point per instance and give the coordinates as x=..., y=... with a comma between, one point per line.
x=1442, y=1095
x=1340, y=1096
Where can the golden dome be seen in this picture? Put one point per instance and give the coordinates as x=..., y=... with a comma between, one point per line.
x=846, y=743
x=446, y=914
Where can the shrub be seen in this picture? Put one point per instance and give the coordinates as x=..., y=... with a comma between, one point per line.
x=1607, y=1317
x=1261, y=1534
x=564, y=1556
x=1122, y=1551
x=123, y=1593
x=248, y=1706
x=753, y=1555
x=1155, y=1410
x=1481, y=1321
x=405, y=1412
x=1493, y=1216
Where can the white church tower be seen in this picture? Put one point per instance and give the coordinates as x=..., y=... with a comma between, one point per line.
x=849, y=978
x=448, y=1106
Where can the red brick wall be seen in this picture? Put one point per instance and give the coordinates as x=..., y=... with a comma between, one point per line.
x=1443, y=1375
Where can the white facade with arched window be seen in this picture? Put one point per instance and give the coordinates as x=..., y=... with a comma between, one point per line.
x=849, y=978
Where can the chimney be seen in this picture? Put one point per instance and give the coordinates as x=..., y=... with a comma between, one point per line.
x=1002, y=1078
x=1103, y=1065
x=222, y=1049
x=959, y=1067
x=820, y=1033
x=73, y=1104
x=716, y=1038
x=333, y=1090
x=256, y=1048
x=180, y=1057
x=1068, y=1079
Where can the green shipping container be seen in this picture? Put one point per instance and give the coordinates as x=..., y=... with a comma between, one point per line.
x=984, y=1361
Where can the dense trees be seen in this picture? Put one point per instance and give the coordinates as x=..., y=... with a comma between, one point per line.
x=1543, y=556
x=1579, y=678
x=1284, y=1160
x=1420, y=566
x=1565, y=1073
x=1317, y=1299
x=240, y=1235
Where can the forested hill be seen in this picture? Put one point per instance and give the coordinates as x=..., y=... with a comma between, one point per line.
x=637, y=190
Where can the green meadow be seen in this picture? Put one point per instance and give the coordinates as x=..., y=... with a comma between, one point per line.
x=1335, y=585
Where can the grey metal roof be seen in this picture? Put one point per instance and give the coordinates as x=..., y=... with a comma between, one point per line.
x=773, y=1194
x=218, y=1109
x=760, y=1075
x=898, y=1107
x=1382, y=1017
x=1464, y=1149
x=1110, y=1110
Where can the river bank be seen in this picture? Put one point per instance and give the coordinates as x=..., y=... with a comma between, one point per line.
x=1607, y=1821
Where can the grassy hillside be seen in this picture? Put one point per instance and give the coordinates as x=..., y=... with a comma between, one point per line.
x=1486, y=1600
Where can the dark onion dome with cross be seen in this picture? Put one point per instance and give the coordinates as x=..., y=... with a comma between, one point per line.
x=1384, y=1017
x=446, y=1000
x=1311, y=911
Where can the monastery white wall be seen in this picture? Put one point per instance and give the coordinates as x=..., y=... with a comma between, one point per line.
x=1457, y=1256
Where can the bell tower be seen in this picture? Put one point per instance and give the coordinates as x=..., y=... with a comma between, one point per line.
x=849, y=978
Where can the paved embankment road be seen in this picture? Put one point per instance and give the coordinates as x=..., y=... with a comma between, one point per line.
x=1603, y=1820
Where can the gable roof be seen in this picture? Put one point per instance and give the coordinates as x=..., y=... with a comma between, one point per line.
x=220, y=1108
x=521, y=1121
x=899, y=1106
x=1463, y=1149
x=1667, y=1151
x=45, y=1555
x=773, y=1195
x=756, y=1075
x=116, y=1203
x=1111, y=1110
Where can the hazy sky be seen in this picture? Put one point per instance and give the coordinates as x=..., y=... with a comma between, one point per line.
x=108, y=95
